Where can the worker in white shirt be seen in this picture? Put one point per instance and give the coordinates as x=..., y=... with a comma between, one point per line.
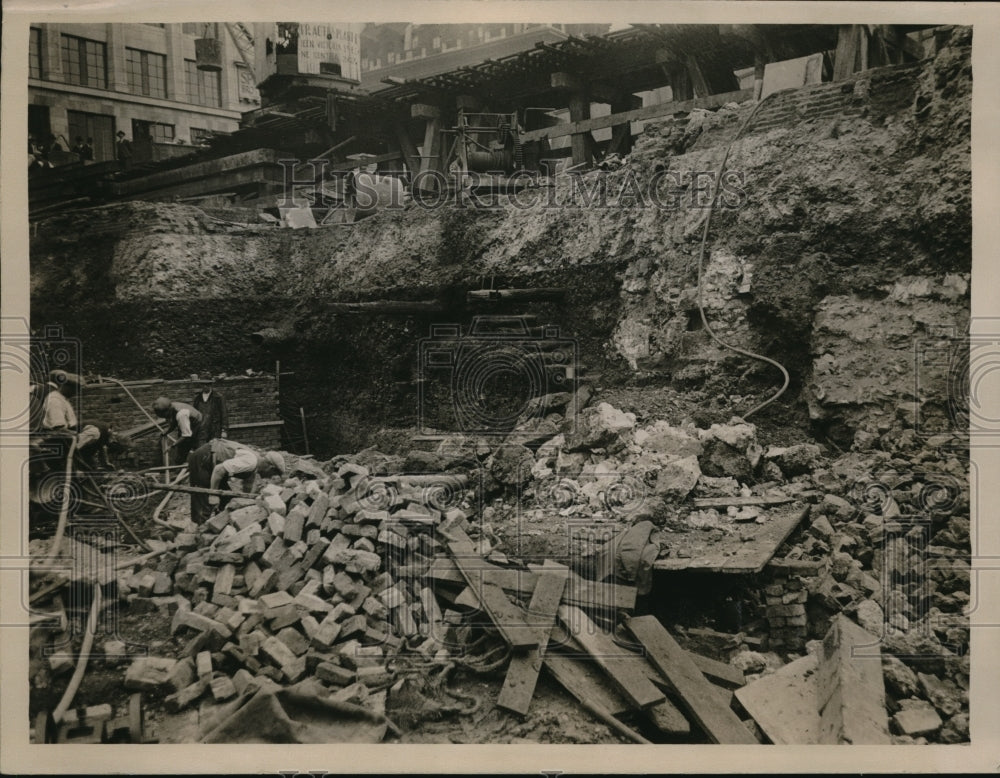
x=219, y=464
x=57, y=410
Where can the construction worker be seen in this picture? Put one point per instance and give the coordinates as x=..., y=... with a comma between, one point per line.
x=57, y=410
x=213, y=408
x=92, y=446
x=186, y=420
x=218, y=463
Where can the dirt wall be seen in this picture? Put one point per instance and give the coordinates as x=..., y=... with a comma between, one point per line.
x=841, y=191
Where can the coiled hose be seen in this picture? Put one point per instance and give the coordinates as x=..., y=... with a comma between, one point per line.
x=701, y=264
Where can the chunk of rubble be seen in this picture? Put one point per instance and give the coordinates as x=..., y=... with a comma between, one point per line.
x=149, y=673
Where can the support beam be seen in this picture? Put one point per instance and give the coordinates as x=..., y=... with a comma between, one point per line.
x=621, y=134
x=407, y=148
x=640, y=114
x=852, y=51
x=579, y=110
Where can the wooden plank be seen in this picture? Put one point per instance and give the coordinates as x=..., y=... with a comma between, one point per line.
x=586, y=682
x=505, y=615
x=639, y=114
x=725, y=502
x=733, y=554
x=579, y=591
x=785, y=703
x=697, y=696
x=627, y=676
x=583, y=681
x=522, y=673
x=718, y=672
x=851, y=687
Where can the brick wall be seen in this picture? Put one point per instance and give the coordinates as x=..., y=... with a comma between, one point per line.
x=785, y=602
x=878, y=92
x=252, y=403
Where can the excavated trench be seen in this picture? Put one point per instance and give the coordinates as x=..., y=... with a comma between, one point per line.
x=851, y=244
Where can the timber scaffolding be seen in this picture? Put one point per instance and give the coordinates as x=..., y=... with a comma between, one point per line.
x=407, y=128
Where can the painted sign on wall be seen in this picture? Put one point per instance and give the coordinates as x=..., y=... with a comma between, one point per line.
x=340, y=43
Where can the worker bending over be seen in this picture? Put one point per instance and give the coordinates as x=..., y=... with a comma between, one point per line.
x=184, y=418
x=217, y=463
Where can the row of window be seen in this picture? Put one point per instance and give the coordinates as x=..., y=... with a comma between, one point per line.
x=85, y=62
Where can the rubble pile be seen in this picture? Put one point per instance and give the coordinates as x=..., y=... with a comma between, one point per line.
x=317, y=576
x=886, y=542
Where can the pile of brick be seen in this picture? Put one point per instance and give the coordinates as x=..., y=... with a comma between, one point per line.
x=314, y=576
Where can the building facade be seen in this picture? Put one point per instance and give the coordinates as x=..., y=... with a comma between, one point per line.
x=404, y=50
x=94, y=80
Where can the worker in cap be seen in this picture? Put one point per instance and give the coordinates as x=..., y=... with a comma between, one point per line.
x=186, y=420
x=213, y=408
x=226, y=465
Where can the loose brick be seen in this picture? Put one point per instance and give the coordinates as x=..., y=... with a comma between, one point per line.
x=344, y=585
x=223, y=688
x=224, y=580
x=275, y=600
x=294, y=639
x=327, y=634
x=311, y=603
x=309, y=624
x=265, y=582
x=203, y=665
x=149, y=673
x=272, y=556
x=285, y=616
x=275, y=504
x=342, y=610
x=353, y=626
x=182, y=699
x=334, y=674
x=276, y=523
x=318, y=509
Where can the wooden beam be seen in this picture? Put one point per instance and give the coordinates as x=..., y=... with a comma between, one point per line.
x=505, y=615
x=851, y=688
x=847, y=59
x=584, y=682
x=640, y=114
x=629, y=678
x=696, y=693
x=698, y=82
x=407, y=148
x=725, y=502
x=580, y=591
x=582, y=142
x=522, y=673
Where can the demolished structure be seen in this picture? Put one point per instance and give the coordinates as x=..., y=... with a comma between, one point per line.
x=651, y=543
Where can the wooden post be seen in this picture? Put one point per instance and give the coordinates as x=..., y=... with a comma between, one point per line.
x=698, y=82
x=621, y=134
x=852, y=51
x=407, y=149
x=430, y=153
x=579, y=110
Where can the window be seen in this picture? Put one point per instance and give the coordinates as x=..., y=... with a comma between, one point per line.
x=155, y=24
x=203, y=86
x=97, y=129
x=85, y=62
x=162, y=133
x=35, y=53
x=147, y=73
x=200, y=135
